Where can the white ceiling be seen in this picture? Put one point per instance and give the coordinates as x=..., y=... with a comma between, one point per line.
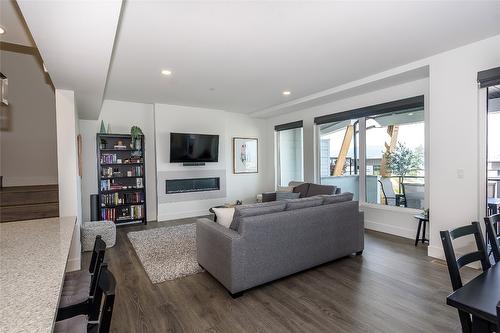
x=240, y=56
x=11, y=19
x=75, y=40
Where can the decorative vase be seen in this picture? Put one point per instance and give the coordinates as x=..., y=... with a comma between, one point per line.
x=103, y=128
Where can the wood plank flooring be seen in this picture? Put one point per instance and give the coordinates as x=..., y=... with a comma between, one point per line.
x=392, y=287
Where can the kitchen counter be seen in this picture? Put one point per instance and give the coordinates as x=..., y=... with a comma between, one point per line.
x=33, y=257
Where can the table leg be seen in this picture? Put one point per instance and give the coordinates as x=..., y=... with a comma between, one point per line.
x=423, y=233
x=418, y=231
x=479, y=325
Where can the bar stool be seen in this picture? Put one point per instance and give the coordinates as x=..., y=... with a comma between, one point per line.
x=103, y=306
x=422, y=219
x=80, y=286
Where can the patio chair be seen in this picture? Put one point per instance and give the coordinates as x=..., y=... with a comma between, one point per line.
x=390, y=197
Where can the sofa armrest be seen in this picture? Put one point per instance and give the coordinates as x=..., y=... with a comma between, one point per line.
x=220, y=252
x=268, y=196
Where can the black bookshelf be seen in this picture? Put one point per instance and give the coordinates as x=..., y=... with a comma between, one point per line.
x=121, y=179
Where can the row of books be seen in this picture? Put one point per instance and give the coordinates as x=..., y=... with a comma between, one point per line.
x=133, y=212
x=113, y=159
x=135, y=171
x=122, y=198
x=109, y=185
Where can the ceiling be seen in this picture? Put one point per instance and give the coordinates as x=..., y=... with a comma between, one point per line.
x=75, y=40
x=16, y=31
x=240, y=56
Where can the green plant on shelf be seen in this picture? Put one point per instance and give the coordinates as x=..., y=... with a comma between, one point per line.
x=136, y=134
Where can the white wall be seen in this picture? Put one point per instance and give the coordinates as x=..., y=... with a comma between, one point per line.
x=121, y=116
x=453, y=132
x=28, y=153
x=69, y=181
x=172, y=118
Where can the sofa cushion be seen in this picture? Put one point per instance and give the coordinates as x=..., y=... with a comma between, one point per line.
x=316, y=189
x=330, y=199
x=286, y=195
x=293, y=204
x=302, y=189
x=224, y=216
x=242, y=211
x=285, y=189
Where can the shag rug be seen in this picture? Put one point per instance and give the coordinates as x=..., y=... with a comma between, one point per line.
x=167, y=253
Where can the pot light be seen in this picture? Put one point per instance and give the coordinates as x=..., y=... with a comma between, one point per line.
x=166, y=72
x=286, y=93
x=2, y=30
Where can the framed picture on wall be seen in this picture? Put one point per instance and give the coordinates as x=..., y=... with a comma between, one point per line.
x=245, y=155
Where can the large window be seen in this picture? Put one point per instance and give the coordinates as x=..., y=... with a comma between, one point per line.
x=289, y=143
x=493, y=162
x=395, y=159
x=339, y=162
x=391, y=151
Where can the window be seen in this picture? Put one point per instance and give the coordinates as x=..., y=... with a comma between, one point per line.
x=289, y=143
x=493, y=161
x=392, y=152
x=395, y=159
x=339, y=150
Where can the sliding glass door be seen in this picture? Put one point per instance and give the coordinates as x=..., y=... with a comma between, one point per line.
x=493, y=151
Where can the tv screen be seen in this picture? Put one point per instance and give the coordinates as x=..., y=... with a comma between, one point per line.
x=193, y=148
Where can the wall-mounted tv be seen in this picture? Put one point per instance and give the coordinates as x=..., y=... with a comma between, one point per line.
x=191, y=148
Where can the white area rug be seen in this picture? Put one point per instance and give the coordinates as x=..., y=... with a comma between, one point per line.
x=167, y=253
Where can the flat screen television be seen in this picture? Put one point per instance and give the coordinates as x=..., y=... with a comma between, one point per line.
x=191, y=148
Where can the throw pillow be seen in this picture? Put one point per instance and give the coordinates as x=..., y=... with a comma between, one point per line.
x=293, y=204
x=254, y=210
x=280, y=196
x=285, y=189
x=302, y=189
x=224, y=216
x=316, y=189
x=331, y=199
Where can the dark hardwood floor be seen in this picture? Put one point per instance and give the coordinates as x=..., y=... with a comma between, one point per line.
x=392, y=287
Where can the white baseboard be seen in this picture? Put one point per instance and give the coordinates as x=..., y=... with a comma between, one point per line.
x=74, y=264
x=390, y=229
x=182, y=215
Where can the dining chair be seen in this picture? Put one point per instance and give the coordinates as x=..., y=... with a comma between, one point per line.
x=492, y=237
x=103, y=306
x=79, y=286
x=454, y=263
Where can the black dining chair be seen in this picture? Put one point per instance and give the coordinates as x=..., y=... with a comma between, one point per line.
x=79, y=286
x=454, y=263
x=492, y=237
x=104, y=299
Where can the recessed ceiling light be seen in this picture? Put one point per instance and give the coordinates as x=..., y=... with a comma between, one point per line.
x=286, y=93
x=2, y=30
x=166, y=72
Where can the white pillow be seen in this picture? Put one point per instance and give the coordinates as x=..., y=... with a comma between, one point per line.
x=285, y=189
x=224, y=216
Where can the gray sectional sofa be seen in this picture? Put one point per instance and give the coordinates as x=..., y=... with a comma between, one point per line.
x=271, y=240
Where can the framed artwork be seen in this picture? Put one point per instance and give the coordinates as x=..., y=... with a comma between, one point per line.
x=245, y=155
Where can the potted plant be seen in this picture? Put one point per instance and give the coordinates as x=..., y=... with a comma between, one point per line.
x=136, y=134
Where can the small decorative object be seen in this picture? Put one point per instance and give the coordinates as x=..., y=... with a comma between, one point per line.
x=426, y=212
x=103, y=127
x=103, y=144
x=109, y=128
x=136, y=134
x=245, y=155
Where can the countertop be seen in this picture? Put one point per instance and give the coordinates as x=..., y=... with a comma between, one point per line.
x=33, y=257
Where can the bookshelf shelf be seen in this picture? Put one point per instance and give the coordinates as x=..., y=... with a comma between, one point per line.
x=118, y=168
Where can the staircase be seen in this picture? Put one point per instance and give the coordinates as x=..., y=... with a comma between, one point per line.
x=19, y=203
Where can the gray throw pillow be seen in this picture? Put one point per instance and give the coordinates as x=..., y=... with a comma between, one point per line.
x=331, y=199
x=293, y=204
x=302, y=189
x=242, y=211
x=317, y=189
x=286, y=195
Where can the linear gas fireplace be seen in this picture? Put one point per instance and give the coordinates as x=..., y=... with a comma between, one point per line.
x=192, y=185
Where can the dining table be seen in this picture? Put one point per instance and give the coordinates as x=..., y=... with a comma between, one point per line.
x=479, y=298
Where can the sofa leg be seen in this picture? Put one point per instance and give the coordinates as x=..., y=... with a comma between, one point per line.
x=359, y=253
x=236, y=295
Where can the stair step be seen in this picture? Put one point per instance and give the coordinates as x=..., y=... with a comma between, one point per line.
x=29, y=212
x=27, y=195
